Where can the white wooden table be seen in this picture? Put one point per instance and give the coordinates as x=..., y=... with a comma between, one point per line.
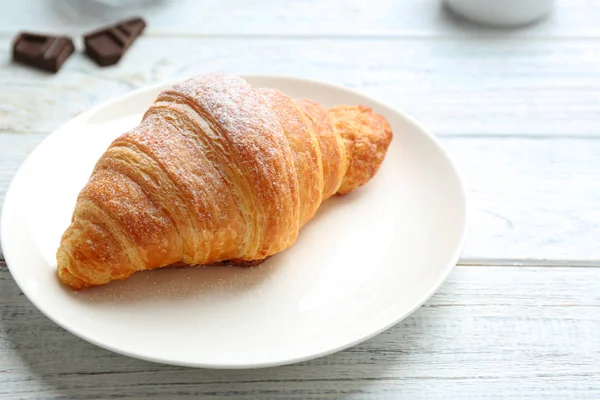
x=519, y=112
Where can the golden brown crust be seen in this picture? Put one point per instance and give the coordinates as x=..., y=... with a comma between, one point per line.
x=331, y=145
x=304, y=149
x=366, y=137
x=217, y=172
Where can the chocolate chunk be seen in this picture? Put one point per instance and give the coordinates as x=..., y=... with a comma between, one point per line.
x=42, y=51
x=107, y=45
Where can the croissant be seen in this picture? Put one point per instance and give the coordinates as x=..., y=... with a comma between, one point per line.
x=216, y=172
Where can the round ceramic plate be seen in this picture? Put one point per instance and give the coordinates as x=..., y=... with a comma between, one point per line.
x=365, y=262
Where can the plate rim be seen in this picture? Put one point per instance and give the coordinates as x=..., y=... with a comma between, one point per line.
x=444, y=272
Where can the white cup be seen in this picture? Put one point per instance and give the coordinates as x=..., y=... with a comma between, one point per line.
x=501, y=12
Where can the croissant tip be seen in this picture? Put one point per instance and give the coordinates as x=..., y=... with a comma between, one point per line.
x=64, y=260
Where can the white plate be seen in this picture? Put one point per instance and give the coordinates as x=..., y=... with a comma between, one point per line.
x=365, y=262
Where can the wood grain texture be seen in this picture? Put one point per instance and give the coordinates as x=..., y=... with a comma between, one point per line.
x=490, y=333
x=351, y=18
x=529, y=197
x=479, y=86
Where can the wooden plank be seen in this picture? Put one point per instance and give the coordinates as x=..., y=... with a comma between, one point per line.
x=453, y=86
x=423, y=18
x=529, y=198
x=489, y=333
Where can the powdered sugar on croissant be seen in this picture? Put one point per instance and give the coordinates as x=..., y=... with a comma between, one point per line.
x=217, y=170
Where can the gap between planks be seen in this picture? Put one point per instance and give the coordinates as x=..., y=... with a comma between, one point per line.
x=492, y=34
x=501, y=262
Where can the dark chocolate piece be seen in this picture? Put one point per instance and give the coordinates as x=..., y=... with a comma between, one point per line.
x=42, y=51
x=107, y=45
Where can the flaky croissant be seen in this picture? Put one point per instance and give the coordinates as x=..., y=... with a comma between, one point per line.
x=217, y=171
